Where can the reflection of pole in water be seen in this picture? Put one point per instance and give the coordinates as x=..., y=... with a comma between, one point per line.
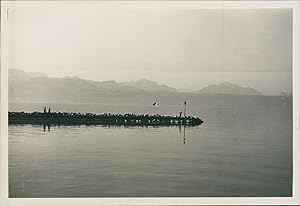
x=48, y=127
x=183, y=134
x=44, y=127
x=180, y=131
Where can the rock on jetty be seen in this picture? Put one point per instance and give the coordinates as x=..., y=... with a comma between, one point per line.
x=70, y=118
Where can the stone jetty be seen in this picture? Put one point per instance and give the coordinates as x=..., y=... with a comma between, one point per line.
x=128, y=119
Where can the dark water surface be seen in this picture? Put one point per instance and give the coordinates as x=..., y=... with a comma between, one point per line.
x=244, y=148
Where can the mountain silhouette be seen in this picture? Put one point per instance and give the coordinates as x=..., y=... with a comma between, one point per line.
x=38, y=87
x=228, y=88
x=148, y=85
x=27, y=87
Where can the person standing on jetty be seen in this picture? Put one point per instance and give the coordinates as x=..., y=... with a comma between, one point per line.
x=49, y=110
x=45, y=110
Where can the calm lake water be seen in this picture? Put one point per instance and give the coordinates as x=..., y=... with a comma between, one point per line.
x=243, y=148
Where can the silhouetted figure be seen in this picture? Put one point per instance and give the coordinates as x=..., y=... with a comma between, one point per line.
x=45, y=109
x=49, y=110
x=180, y=113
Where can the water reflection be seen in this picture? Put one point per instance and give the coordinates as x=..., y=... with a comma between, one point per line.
x=116, y=126
x=180, y=131
x=44, y=127
x=184, y=135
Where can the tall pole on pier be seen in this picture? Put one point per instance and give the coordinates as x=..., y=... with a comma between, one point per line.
x=184, y=109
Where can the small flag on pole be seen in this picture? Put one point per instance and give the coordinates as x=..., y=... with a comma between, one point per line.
x=155, y=104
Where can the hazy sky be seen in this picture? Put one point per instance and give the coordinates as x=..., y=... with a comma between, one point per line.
x=182, y=48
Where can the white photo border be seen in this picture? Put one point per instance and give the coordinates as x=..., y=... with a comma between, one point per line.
x=6, y=6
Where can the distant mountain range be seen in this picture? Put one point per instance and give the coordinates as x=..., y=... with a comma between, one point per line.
x=39, y=87
x=148, y=85
x=228, y=88
x=34, y=79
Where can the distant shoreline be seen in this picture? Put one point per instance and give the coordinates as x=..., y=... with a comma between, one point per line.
x=192, y=94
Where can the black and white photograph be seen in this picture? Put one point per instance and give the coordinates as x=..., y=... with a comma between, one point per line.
x=149, y=101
